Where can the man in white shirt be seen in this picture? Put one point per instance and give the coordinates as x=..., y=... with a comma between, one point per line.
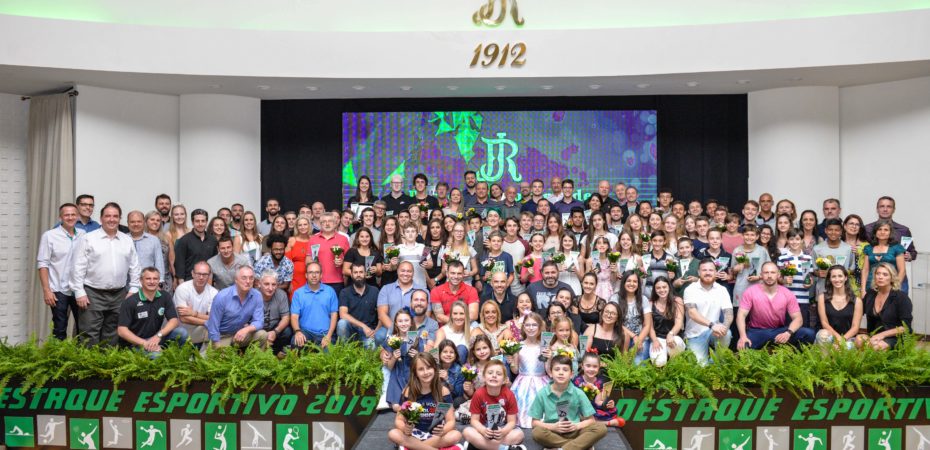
x=103, y=260
x=54, y=264
x=192, y=299
x=709, y=313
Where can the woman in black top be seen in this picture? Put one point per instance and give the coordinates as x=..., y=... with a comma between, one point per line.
x=668, y=321
x=839, y=309
x=588, y=305
x=607, y=335
x=363, y=252
x=435, y=240
x=888, y=310
x=363, y=194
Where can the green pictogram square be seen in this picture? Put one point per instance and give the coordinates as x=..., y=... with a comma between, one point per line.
x=660, y=439
x=884, y=438
x=292, y=436
x=809, y=439
x=220, y=435
x=740, y=439
x=19, y=431
x=84, y=433
x=151, y=435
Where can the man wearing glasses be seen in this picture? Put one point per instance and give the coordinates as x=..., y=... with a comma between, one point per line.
x=397, y=200
x=85, y=204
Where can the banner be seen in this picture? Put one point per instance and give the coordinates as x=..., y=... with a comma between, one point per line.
x=91, y=414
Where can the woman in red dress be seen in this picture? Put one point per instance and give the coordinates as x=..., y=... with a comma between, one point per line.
x=296, y=251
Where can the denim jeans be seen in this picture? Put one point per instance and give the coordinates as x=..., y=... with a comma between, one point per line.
x=60, y=315
x=759, y=337
x=700, y=344
x=178, y=335
x=311, y=337
x=345, y=330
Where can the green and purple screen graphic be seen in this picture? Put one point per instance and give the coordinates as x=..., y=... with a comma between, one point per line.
x=505, y=147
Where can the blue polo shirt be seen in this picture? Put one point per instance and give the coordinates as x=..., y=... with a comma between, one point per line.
x=395, y=297
x=229, y=313
x=314, y=308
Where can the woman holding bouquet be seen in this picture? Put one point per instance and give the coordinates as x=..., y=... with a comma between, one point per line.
x=531, y=266
x=390, y=239
x=570, y=268
x=600, y=265
x=531, y=372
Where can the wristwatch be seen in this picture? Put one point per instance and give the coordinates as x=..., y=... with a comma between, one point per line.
x=159, y=335
x=791, y=332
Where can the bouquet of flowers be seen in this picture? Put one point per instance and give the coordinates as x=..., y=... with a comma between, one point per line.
x=639, y=273
x=789, y=271
x=564, y=351
x=449, y=257
x=412, y=411
x=671, y=265
x=395, y=342
x=613, y=257
x=424, y=207
x=741, y=258
x=471, y=212
x=510, y=347
x=528, y=263
x=559, y=258
x=822, y=263
x=590, y=390
x=644, y=237
x=469, y=372
x=459, y=216
x=392, y=252
x=489, y=264
x=337, y=250
x=721, y=228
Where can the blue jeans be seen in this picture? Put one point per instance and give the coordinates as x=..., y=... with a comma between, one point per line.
x=643, y=353
x=60, y=315
x=345, y=330
x=759, y=337
x=311, y=337
x=178, y=335
x=700, y=344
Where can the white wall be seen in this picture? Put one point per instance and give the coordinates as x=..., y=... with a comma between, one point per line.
x=220, y=153
x=15, y=260
x=792, y=132
x=885, y=139
x=126, y=147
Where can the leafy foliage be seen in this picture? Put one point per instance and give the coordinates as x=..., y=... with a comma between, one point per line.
x=346, y=366
x=802, y=371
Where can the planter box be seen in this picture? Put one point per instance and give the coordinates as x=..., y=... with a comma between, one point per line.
x=781, y=421
x=139, y=415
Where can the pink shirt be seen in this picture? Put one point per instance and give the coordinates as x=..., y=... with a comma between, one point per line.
x=765, y=313
x=331, y=272
x=729, y=243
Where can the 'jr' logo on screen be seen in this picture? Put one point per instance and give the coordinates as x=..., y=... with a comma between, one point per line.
x=497, y=164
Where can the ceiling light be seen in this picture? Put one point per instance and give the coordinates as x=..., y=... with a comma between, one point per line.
x=742, y=81
x=643, y=85
x=692, y=83
x=405, y=88
x=452, y=88
x=358, y=87
x=312, y=88
x=594, y=86
x=263, y=87
x=500, y=88
x=546, y=87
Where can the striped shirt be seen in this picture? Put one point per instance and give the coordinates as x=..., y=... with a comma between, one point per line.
x=804, y=264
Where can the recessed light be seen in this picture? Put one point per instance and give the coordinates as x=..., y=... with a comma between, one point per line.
x=405, y=88
x=358, y=87
x=643, y=85
x=215, y=86
x=263, y=87
x=594, y=86
x=452, y=88
x=312, y=88
x=546, y=87
x=692, y=83
x=500, y=88
x=742, y=81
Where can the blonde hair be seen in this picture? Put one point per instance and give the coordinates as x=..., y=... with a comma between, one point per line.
x=466, y=327
x=895, y=281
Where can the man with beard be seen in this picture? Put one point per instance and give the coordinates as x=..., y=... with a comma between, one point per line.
x=469, y=192
x=237, y=211
x=163, y=206
x=272, y=208
x=543, y=291
x=425, y=325
x=193, y=247
x=762, y=311
x=358, y=310
x=276, y=262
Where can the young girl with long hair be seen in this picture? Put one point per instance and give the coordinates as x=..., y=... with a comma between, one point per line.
x=425, y=388
x=531, y=372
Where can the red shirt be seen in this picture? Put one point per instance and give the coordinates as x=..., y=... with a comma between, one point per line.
x=331, y=272
x=443, y=294
x=481, y=400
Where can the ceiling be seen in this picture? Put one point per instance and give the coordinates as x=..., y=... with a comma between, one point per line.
x=33, y=81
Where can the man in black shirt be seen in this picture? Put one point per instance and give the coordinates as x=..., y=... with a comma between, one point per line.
x=358, y=310
x=148, y=319
x=420, y=196
x=396, y=200
x=193, y=247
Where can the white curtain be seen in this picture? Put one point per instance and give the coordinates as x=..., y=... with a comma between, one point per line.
x=50, y=168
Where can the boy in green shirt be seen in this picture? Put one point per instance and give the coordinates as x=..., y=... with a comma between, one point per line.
x=562, y=415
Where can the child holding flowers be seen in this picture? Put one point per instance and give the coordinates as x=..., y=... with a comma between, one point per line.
x=531, y=266
x=591, y=382
x=396, y=356
x=531, y=372
x=425, y=419
x=599, y=263
x=494, y=413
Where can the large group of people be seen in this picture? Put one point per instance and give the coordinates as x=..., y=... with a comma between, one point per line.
x=495, y=306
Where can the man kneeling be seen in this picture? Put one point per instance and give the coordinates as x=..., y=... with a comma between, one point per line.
x=237, y=315
x=148, y=320
x=766, y=304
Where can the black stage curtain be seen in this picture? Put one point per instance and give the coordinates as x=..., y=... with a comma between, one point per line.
x=703, y=141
